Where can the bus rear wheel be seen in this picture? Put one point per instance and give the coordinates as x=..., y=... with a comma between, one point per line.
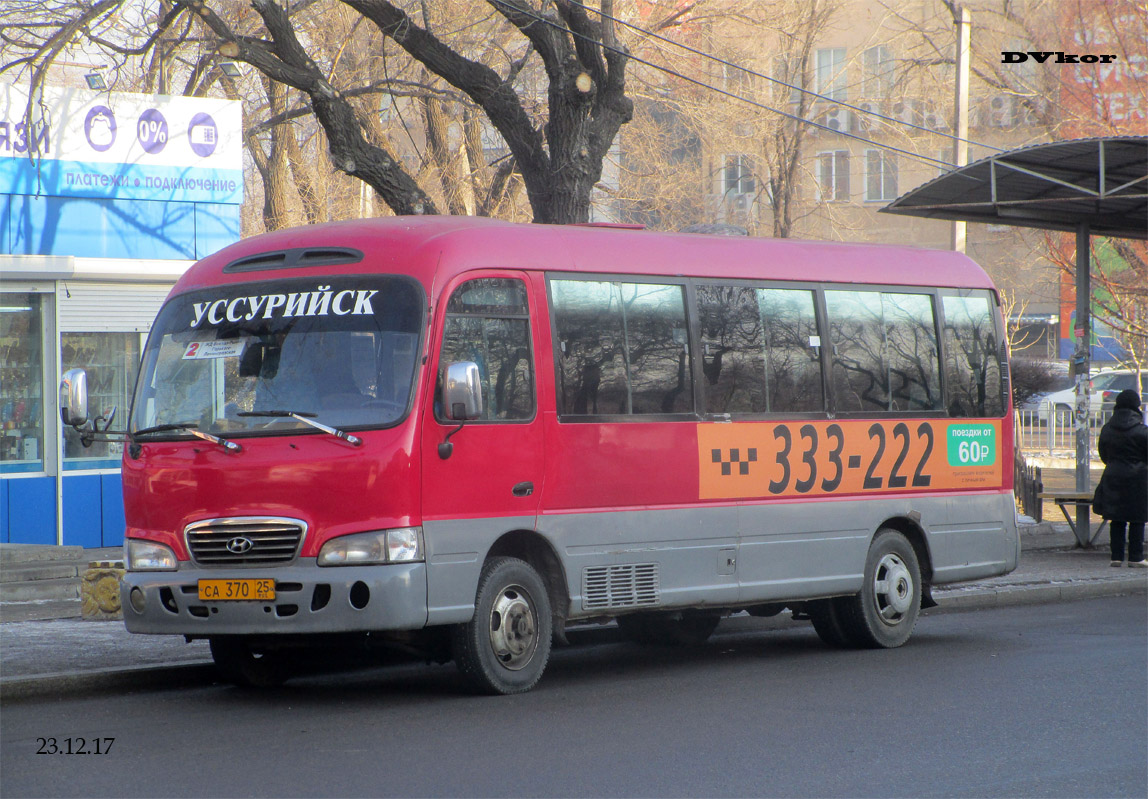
x=830, y=620
x=884, y=613
x=505, y=647
x=242, y=665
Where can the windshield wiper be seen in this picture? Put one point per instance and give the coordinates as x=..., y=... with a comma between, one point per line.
x=189, y=427
x=163, y=428
x=307, y=419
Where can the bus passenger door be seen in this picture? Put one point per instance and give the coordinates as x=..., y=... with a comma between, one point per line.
x=487, y=480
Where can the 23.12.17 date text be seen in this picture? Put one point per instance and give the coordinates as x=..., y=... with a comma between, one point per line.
x=74, y=746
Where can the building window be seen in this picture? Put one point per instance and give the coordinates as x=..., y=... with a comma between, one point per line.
x=877, y=75
x=737, y=175
x=945, y=163
x=833, y=176
x=880, y=175
x=111, y=361
x=21, y=383
x=831, y=79
x=735, y=79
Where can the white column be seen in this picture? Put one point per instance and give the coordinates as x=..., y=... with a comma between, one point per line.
x=964, y=26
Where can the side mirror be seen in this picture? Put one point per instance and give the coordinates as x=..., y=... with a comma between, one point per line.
x=462, y=391
x=74, y=397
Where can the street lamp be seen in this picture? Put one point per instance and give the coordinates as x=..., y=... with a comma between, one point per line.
x=230, y=69
x=96, y=81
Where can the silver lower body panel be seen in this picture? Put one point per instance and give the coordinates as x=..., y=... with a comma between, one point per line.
x=309, y=599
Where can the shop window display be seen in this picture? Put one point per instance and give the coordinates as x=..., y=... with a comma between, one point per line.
x=111, y=361
x=21, y=383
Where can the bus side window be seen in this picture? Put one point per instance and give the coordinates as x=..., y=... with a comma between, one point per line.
x=488, y=323
x=885, y=355
x=972, y=368
x=760, y=355
x=657, y=341
x=624, y=348
x=914, y=357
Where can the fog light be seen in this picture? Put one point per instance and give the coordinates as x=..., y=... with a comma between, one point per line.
x=360, y=595
x=137, y=600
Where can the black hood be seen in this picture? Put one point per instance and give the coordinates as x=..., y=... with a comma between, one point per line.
x=1125, y=419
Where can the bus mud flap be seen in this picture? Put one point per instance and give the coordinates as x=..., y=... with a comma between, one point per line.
x=927, y=600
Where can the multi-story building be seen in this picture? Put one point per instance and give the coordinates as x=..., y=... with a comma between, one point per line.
x=880, y=81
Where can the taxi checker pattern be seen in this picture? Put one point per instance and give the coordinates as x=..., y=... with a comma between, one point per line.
x=735, y=457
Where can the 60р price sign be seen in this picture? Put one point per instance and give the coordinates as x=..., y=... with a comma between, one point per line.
x=795, y=459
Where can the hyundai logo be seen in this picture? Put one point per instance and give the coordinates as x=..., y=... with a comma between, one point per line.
x=240, y=545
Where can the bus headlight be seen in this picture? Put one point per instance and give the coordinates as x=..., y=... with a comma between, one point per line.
x=405, y=544
x=148, y=556
x=400, y=545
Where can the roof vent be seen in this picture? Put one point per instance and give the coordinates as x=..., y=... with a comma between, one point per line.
x=296, y=258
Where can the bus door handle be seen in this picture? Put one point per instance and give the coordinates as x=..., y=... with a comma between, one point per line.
x=523, y=489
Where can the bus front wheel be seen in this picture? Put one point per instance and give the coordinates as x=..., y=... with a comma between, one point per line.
x=505, y=647
x=884, y=613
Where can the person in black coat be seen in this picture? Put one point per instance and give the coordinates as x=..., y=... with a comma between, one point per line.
x=1122, y=495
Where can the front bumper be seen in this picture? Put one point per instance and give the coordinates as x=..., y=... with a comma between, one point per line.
x=308, y=599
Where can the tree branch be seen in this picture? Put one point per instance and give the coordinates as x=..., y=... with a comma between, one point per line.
x=482, y=84
x=284, y=60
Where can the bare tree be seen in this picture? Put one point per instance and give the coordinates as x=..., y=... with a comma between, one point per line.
x=1120, y=288
x=557, y=146
x=784, y=150
x=1123, y=298
x=559, y=157
x=722, y=115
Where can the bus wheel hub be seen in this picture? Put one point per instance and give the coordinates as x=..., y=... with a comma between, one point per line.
x=512, y=628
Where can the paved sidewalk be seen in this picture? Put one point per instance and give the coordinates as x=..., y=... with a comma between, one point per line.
x=42, y=657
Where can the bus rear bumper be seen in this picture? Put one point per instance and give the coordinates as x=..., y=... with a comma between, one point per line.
x=989, y=547
x=308, y=599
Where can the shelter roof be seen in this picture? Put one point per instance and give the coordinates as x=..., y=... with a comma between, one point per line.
x=1055, y=186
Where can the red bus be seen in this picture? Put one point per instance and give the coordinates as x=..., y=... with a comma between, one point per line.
x=466, y=434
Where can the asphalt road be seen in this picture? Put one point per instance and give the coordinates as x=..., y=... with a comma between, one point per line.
x=1035, y=700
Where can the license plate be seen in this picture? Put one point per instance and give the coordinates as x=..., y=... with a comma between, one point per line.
x=237, y=590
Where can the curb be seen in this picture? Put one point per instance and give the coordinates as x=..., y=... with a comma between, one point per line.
x=129, y=677
x=1035, y=594
x=203, y=671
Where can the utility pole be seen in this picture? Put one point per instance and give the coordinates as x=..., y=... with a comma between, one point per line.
x=1081, y=366
x=963, y=21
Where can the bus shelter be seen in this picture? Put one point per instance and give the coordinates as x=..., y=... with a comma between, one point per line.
x=1089, y=187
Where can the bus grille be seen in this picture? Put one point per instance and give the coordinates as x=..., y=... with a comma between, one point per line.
x=627, y=586
x=245, y=541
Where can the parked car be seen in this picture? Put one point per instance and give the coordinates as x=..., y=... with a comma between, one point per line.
x=1105, y=385
x=1120, y=381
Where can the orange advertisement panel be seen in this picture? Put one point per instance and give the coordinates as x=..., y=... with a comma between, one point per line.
x=823, y=458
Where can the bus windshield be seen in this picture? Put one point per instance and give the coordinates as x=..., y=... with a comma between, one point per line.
x=236, y=360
